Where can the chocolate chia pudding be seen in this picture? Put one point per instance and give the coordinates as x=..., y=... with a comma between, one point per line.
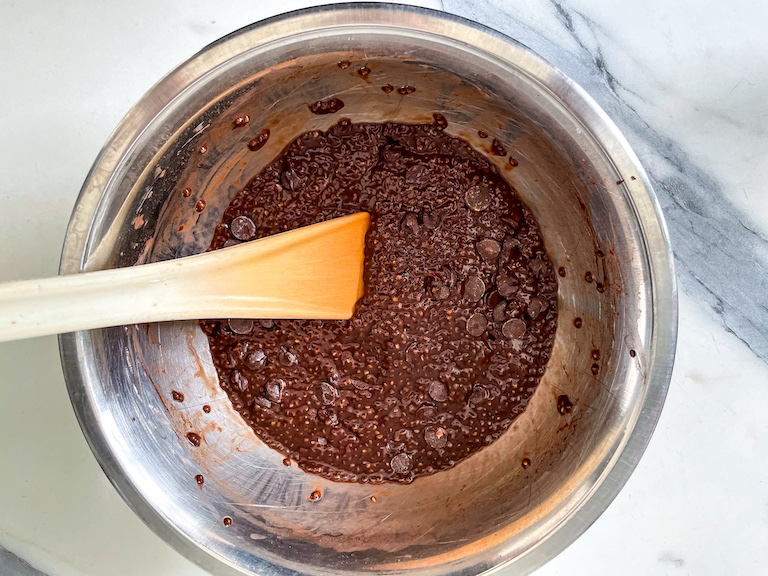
x=454, y=331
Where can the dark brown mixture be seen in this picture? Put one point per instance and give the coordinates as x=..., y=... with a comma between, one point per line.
x=452, y=335
x=259, y=141
x=330, y=106
x=194, y=439
x=564, y=404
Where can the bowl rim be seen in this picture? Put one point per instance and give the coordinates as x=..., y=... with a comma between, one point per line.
x=648, y=212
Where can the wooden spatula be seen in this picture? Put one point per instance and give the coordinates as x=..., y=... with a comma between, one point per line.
x=312, y=272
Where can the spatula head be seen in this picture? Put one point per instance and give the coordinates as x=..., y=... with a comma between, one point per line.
x=312, y=272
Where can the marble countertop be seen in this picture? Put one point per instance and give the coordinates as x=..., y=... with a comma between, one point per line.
x=685, y=81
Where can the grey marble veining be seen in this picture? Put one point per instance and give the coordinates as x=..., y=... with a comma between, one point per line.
x=721, y=258
x=12, y=565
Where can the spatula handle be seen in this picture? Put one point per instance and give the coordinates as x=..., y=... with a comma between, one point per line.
x=311, y=272
x=31, y=308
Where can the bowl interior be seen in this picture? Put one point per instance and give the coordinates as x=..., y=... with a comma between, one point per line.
x=486, y=510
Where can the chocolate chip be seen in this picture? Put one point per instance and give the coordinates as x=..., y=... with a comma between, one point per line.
x=417, y=175
x=364, y=71
x=178, y=396
x=326, y=393
x=401, y=463
x=426, y=413
x=514, y=328
x=435, y=437
x=536, y=306
x=441, y=291
x=286, y=357
x=479, y=394
x=440, y=122
x=474, y=288
x=274, y=389
x=240, y=380
x=500, y=311
x=430, y=220
x=343, y=64
x=199, y=479
x=507, y=285
x=564, y=404
x=525, y=462
x=437, y=391
x=588, y=277
x=561, y=272
x=387, y=88
x=200, y=206
x=537, y=265
x=488, y=249
x=267, y=323
x=256, y=360
x=410, y=223
x=263, y=402
x=477, y=324
x=290, y=180
x=240, y=325
x=478, y=198
x=405, y=90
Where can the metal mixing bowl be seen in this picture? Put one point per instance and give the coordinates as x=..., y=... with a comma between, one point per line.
x=597, y=212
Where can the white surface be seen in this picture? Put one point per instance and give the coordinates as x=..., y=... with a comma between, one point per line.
x=697, y=74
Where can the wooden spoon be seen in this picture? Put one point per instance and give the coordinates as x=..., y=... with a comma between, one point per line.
x=312, y=272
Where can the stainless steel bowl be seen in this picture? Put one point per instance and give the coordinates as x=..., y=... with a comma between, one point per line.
x=598, y=214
